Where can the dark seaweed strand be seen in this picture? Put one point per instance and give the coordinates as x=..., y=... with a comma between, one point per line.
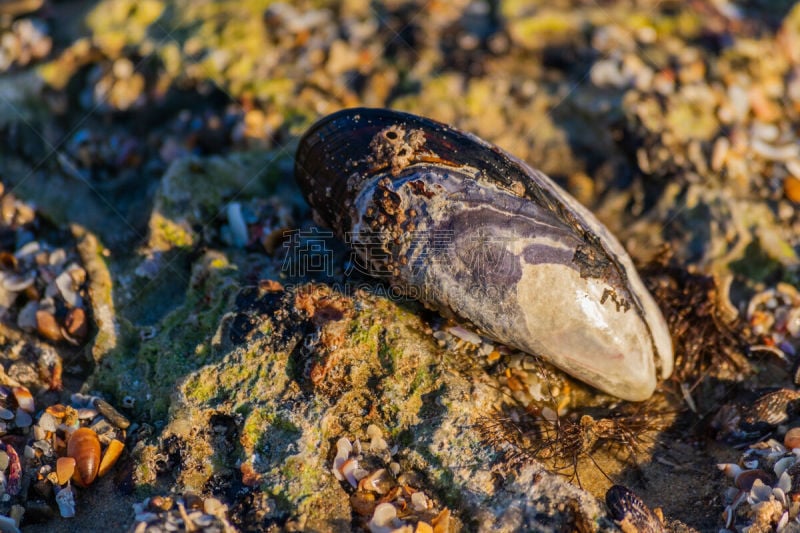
x=703, y=339
x=523, y=435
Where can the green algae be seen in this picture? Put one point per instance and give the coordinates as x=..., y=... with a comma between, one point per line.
x=189, y=294
x=180, y=346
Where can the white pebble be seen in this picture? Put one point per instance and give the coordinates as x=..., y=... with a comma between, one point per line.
x=774, y=153
x=374, y=431
x=793, y=166
x=47, y=422
x=237, y=225
x=720, y=152
x=384, y=518
x=465, y=335
x=419, y=501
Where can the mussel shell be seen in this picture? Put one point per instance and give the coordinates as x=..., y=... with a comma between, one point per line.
x=631, y=512
x=549, y=279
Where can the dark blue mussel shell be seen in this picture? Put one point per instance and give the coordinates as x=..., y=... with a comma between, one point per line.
x=480, y=236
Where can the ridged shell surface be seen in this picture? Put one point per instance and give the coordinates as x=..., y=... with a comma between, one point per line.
x=480, y=236
x=631, y=513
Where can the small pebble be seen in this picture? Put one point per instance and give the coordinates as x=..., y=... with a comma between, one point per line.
x=423, y=527
x=465, y=335
x=47, y=326
x=75, y=323
x=38, y=433
x=65, y=468
x=746, y=479
x=66, y=502
x=28, y=452
x=792, y=439
x=419, y=501
x=791, y=188
x=47, y=422
x=86, y=413
x=214, y=507
x=110, y=457
x=114, y=416
x=384, y=516
x=23, y=419
x=720, y=151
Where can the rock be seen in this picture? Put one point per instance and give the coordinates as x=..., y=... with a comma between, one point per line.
x=288, y=405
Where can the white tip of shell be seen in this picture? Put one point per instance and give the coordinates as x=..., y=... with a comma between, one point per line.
x=730, y=469
x=343, y=449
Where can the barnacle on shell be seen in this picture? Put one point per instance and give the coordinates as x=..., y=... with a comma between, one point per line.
x=480, y=236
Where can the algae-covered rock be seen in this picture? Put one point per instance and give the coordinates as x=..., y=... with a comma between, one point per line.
x=172, y=295
x=301, y=368
x=146, y=367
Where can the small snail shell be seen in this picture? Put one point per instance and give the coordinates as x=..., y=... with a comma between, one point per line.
x=480, y=236
x=84, y=447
